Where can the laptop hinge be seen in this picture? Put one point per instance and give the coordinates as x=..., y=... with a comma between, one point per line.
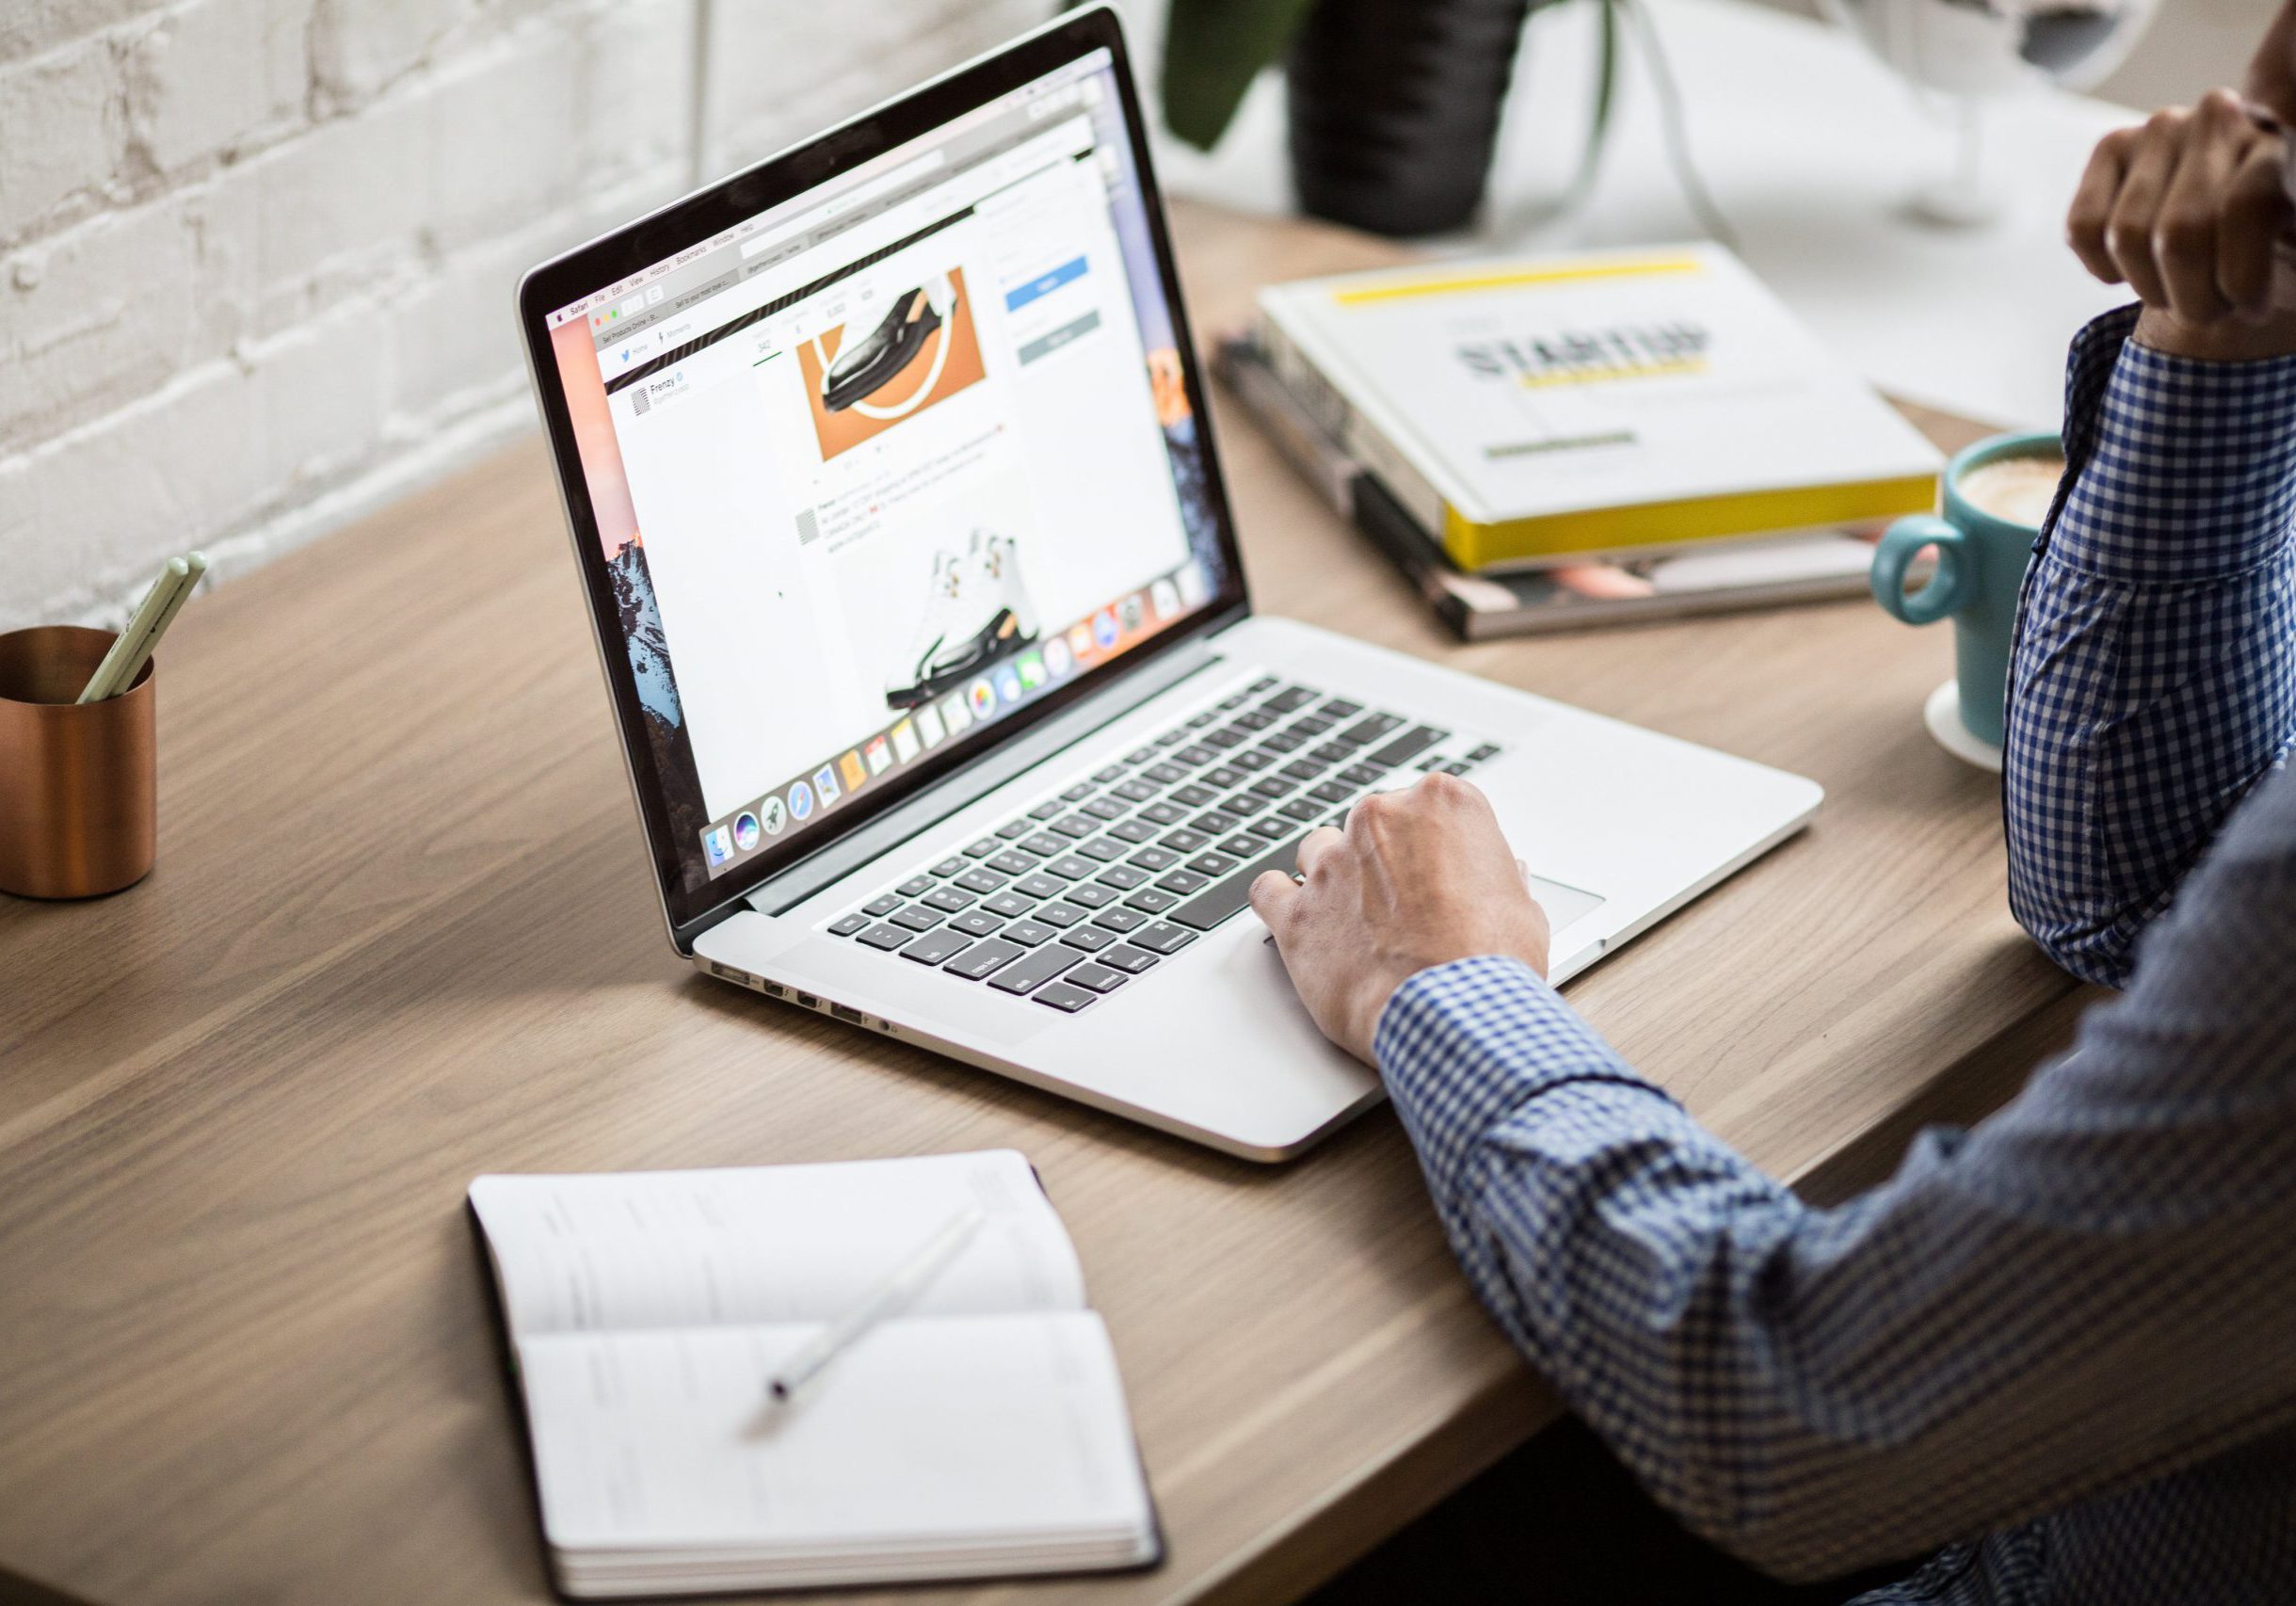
x=978, y=779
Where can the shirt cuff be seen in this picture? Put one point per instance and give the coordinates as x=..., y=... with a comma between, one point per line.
x=2179, y=470
x=1463, y=1046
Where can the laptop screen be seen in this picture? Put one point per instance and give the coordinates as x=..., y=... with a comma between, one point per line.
x=878, y=467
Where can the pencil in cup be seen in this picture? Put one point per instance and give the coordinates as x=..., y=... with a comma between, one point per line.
x=140, y=639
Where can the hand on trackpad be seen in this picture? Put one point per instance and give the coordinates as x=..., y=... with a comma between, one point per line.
x=1564, y=905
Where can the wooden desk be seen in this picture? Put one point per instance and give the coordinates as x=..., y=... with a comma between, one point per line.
x=401, y=932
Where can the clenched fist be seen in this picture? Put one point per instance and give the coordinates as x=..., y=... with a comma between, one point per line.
x=2192, y=211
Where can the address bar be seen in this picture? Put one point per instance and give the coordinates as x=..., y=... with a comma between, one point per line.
x=837, y=205
x=966, y=187
x=869, y=235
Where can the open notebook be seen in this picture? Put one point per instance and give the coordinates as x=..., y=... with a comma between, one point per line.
x=981, y=1431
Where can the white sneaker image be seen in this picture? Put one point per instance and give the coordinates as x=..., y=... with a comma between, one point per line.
x=998, y=561
x=976, y=612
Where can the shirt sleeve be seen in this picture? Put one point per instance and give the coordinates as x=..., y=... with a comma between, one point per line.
x=2153, y=678
x=1821, y=1389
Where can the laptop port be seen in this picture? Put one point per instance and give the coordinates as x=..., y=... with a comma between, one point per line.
x=807, y=1001
x=846, y=1012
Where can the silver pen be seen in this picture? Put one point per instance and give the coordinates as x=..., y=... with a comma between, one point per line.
x=896, y=1290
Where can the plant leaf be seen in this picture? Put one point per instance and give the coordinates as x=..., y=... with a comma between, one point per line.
x=1606, y=91
x=1213, y=50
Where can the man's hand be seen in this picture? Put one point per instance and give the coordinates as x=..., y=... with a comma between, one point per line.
x=2189, y=210
x=1419, y=879
x=2271, y=71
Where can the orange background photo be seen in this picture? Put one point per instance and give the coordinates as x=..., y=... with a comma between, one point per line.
x=843, y=431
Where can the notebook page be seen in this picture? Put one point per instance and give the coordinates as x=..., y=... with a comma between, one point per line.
x=925, y=1432
x=765, y=1244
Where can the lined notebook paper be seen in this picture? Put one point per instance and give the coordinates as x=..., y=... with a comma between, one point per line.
x=980, y=1432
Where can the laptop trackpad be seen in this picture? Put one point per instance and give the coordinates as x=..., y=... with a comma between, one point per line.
x=1564, y=905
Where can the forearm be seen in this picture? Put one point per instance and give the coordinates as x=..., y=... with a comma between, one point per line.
x=1816, y=1390
x=1630, y=1255
x=2153, y=675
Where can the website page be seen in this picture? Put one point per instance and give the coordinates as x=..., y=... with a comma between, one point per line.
x=887, y=463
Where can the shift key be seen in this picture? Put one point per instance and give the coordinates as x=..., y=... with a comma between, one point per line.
x=1041, y=966
x=983, y=959
x=1233, y=891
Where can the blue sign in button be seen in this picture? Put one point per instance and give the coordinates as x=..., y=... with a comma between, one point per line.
x=1015, y=299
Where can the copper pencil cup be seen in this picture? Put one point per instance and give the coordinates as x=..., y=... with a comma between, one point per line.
x=79, y=783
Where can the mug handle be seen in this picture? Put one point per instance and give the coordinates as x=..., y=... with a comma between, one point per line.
x=1895, y=555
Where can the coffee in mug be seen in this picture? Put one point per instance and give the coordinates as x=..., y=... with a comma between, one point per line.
x=1997, y=495
x=2016, y=490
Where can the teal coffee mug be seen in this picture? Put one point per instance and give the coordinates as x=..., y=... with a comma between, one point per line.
x=1997, y=494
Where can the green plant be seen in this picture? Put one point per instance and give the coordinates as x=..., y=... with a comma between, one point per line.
x=1213, y=49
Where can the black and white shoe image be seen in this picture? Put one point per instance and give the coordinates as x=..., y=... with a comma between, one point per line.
x=977, y=613
x=866, y=365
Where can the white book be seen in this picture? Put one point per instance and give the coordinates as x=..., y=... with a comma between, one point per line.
x=981, y=1431
x=1616, y=402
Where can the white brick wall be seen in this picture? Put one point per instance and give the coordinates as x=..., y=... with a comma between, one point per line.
x=256, y=256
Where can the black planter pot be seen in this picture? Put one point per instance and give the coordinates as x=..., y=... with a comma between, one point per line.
x=1395, y=106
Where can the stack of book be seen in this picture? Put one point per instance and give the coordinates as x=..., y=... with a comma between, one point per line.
x=1580, y=439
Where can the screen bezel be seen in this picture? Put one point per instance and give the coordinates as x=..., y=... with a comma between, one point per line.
x=706, y=213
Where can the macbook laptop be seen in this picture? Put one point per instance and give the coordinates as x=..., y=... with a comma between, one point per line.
x=916, y=587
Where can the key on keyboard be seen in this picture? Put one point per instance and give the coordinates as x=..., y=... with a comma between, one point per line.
x=1233, y=891
x=1041, y=966
x=984, y=957
x=935, y=946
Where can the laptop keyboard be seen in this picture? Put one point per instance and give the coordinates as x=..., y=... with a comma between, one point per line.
x=1120, y=868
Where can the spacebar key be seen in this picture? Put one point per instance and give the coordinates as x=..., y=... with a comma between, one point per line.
x=1233, y=891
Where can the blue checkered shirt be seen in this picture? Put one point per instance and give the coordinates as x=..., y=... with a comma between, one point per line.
x=2054, y=1356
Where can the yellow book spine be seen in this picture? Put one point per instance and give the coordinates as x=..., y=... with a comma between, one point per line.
x=1473, y=546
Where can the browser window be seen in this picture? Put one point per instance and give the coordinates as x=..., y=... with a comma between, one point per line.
x=880, y=467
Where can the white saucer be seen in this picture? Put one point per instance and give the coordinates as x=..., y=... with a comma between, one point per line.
x=1942, y=715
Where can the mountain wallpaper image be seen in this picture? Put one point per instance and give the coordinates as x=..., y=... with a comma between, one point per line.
x=1195, y=490
x=657, y=693
x=641, y=620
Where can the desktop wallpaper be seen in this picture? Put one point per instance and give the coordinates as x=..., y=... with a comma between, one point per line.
x=633, y=586
x=1128, y=215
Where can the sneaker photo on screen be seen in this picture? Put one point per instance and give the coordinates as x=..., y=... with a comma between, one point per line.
x=977, y=613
